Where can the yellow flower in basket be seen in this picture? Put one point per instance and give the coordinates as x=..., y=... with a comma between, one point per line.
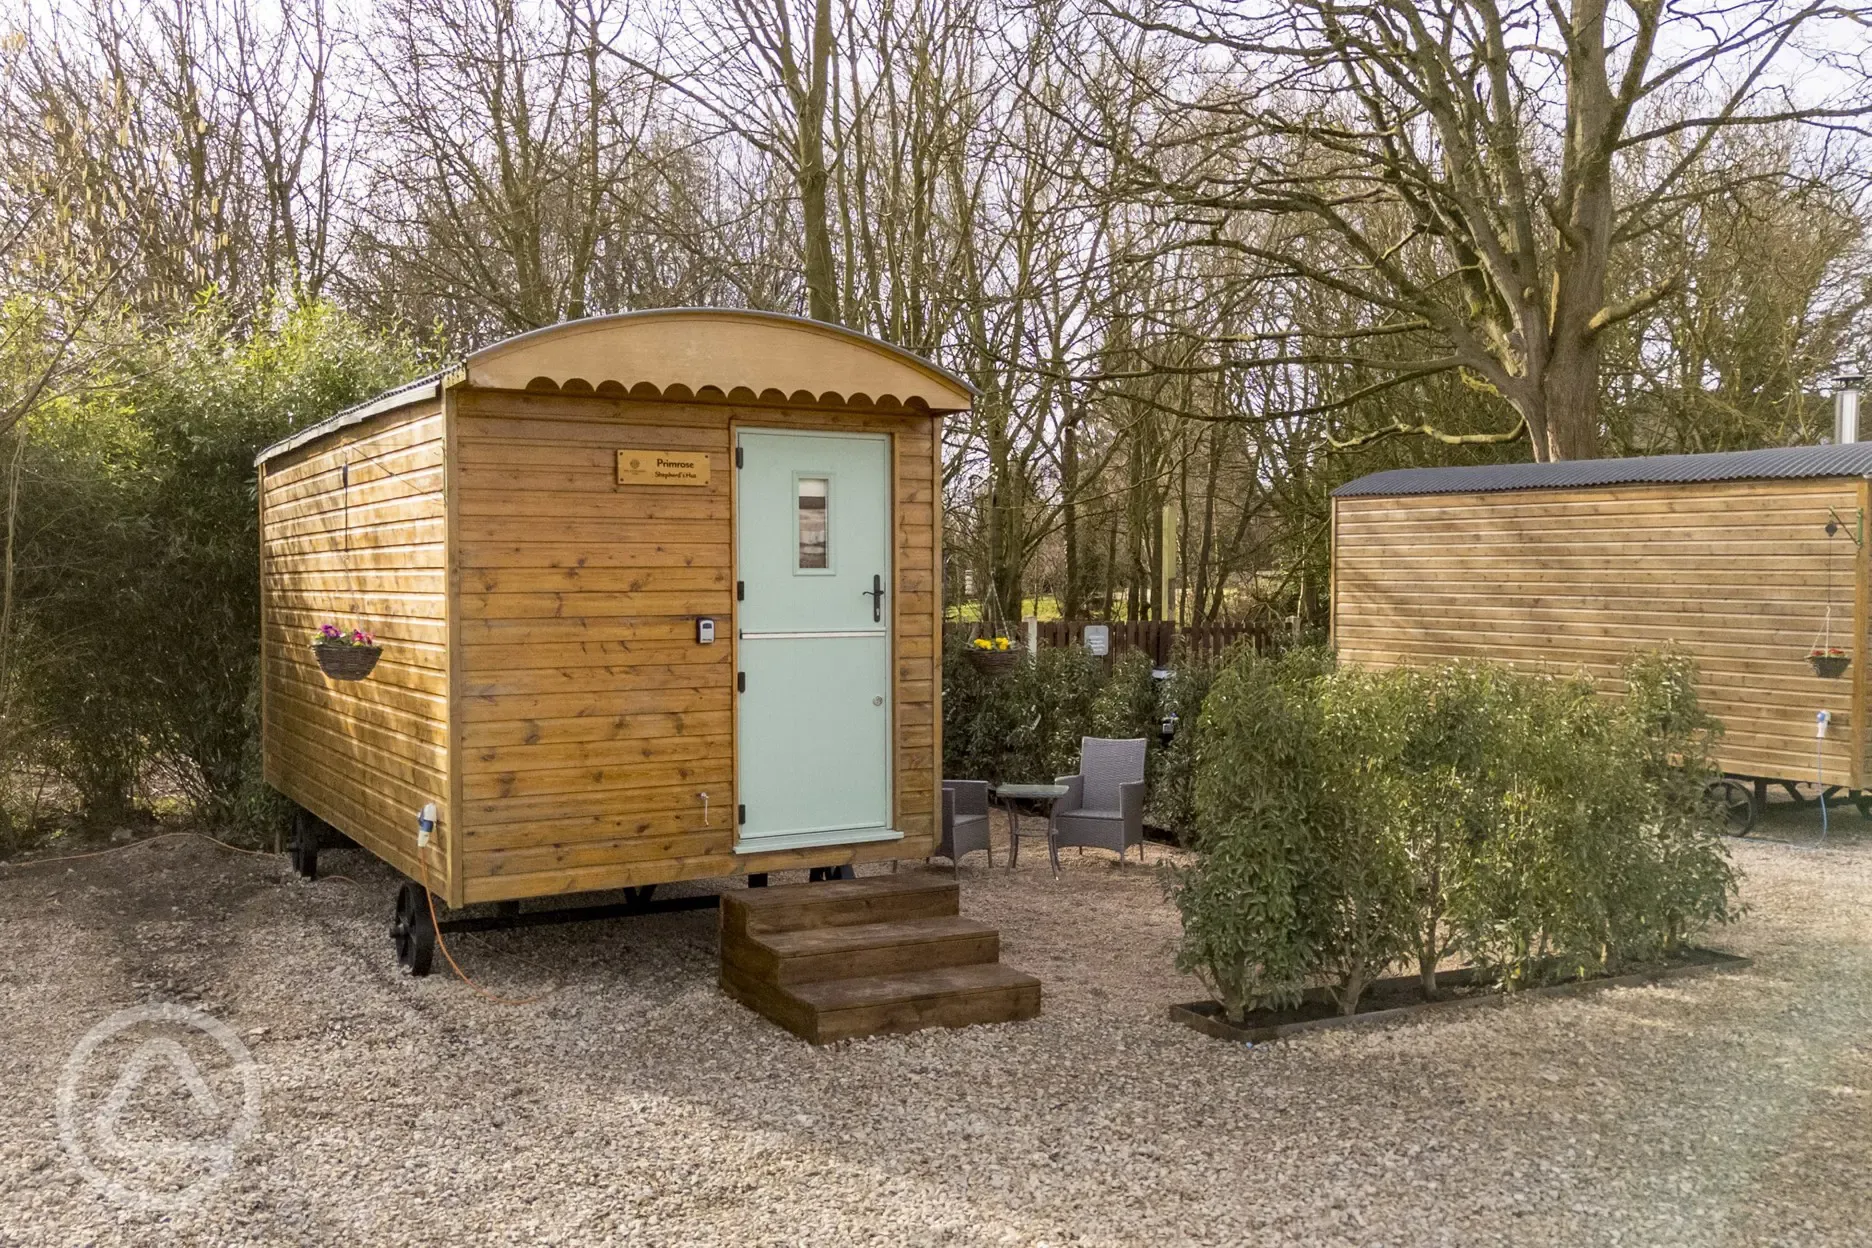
x=982, y=643
x=1002, y=643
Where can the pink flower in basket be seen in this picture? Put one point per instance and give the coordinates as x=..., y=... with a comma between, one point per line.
x=332, y=635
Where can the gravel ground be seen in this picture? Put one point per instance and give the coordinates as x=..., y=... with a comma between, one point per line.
x=636, y=1104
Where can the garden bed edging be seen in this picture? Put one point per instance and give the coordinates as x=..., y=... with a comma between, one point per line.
x=1207, y=1017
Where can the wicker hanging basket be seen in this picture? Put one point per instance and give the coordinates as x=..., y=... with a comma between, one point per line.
x=1830, y=666
x=995, y=662
x=1829, y=662
x=347, y=662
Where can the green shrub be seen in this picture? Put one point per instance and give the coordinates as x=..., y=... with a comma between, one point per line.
x=1172, y=793
x=1531, y=900
x=138, y=587
x=1126, y=705
x=1349, y=820
x=1022, y=726
x=1369, y=729
x=1257, y=911
x=1449, y=787
x=1681, y=879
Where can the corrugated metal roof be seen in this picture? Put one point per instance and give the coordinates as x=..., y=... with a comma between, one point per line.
x=1854, y=459
x=397, y=396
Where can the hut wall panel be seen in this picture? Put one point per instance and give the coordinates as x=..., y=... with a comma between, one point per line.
x=589, y=718
x=1738, y=574
x=362, y=755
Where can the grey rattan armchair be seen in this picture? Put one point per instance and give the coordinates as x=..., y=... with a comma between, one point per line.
x=1104, y=805
x=964, y=821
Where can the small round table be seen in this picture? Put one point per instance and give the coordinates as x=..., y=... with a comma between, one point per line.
x=1046, y=795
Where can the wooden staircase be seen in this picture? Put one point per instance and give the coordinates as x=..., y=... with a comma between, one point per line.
x=885, y=953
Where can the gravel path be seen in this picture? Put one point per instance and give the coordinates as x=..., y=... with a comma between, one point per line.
x=636, y=1104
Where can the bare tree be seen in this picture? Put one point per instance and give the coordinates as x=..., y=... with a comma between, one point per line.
x=762, y=73
x=1455, y=166
x=511, y=161
x=1770, y=294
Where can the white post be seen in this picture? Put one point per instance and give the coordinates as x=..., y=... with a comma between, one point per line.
x=1166, y=601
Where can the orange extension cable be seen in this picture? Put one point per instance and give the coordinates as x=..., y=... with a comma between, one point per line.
x=118, y=849
x=436, y=925
x=262, y=853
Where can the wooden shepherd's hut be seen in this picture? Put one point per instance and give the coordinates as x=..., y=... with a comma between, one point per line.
x=657, y=600
x=1752, y=561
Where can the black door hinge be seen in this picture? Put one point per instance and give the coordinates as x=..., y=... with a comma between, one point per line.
x=740, y=591
x=740, y=682
x=737, y=457
x=741, y=812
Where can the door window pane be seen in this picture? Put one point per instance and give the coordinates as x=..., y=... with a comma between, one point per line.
x=812, y=523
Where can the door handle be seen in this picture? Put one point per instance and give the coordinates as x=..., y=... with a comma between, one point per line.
x=876, y=595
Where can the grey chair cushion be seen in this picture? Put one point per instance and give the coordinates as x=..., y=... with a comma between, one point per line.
x=1113, y=826
x=963, y=832
x=971, y=796
x=1106, y=764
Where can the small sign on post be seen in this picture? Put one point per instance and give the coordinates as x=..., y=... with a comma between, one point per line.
x=662, y=468
x=1097, y=638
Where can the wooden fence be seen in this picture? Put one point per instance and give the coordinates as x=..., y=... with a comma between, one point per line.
x=1157, y=638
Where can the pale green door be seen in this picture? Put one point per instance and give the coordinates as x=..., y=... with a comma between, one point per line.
x=813, y=711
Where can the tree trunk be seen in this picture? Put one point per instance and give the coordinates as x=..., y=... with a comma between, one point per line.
x=1206, y=548
x=1072, y=599
x=1004, y=530
x=1427, y=943
x=821, y=280
x=1569, y=382
x=1111, y=567
x=1352, y=986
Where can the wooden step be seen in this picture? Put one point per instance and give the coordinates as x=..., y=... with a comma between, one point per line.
x=838, y=903
x=886, y=953
x=840, y=1009
x=809, y=954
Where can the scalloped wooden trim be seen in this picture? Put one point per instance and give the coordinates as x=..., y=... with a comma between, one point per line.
x=686, y=355
x=610, y=388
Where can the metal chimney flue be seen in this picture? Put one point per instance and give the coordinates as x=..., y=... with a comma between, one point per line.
x=1846, y=408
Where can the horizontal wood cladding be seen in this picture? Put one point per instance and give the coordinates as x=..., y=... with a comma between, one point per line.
x=589, y=719
x=1738, y=574
x=486, y=884
x=353, y=533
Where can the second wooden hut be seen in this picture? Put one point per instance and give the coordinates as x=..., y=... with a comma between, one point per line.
x=1749, y=560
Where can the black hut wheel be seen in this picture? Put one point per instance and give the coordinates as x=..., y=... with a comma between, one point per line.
x=1736, y=801
x=305, y=844
x=412, y=930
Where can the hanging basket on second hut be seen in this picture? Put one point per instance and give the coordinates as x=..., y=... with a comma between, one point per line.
x=1828, y=660
x=1831, y=664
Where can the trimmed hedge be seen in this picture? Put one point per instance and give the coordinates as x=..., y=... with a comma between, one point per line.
x=1351, y=820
